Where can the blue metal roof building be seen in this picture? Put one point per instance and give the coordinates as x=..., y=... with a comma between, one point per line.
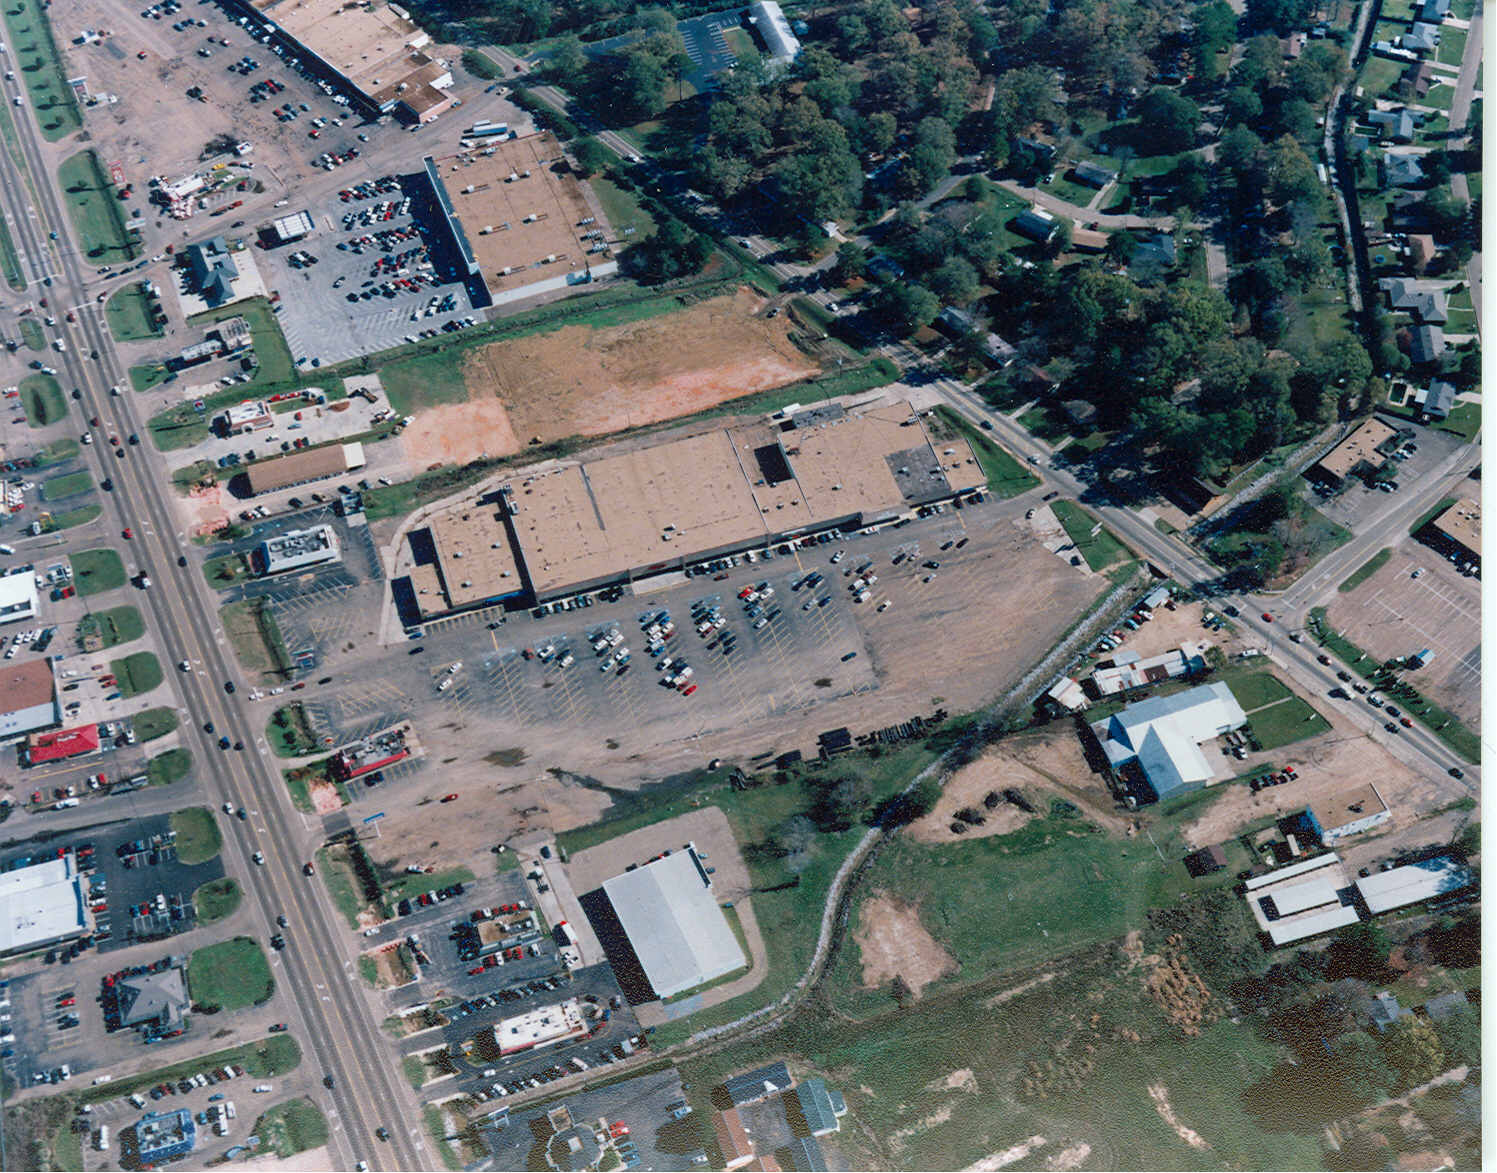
x=163, y=1136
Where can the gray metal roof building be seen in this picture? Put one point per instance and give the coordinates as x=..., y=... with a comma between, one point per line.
x=759, y=1084
x=154, y=999
x=674, y=924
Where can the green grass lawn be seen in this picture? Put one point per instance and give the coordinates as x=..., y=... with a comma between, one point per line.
x=1257, y=689
x=154, y=723
x=266, y=1058
x=1285, y=723
x=143, y=378
x=1007, y=476
x=137, y=673
x=1367, y=570
x=68, y=518
x=289, y=734
x=118, y=625
x=230, y=975
x=97, y=570
x=623, y=208
x=198, y=836
x=1452, y=45
x=256, y=638
x=1379, y=75
x=291, y=1128
x=69, y=485
x=129, y=316
x=217, y=899
x=43, y=400
x=95, y=212
x=1464, y=420
x=1101, y=550
x=226, y=570
x=10, y=260
x=42, y=69
x=343, y=888
x=170, y=766
x=32, y=334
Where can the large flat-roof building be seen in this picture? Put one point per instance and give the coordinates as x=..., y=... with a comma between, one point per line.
x=159, y=1137
x=1303, y=900
x=672, y=926
x=60, y=744
x=1458, y=528
x=781, y=44
x=41, y=905
x=1163, y=735
x=1360, y=448
x=661, y=508
x=18, y=599
x=297, y=549
x=28, y=698
x=527, y=219
x=542, y=1027
x=373, y=53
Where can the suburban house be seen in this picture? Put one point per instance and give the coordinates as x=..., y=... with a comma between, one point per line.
x=1417, y=79
x=1422, y=38
x=1402, y=170
x=1397, y=125
x=1426, y=343
x=1153, y=257
x=1385, y=1011
x=1088, y=240
x=1437, y=400
x=959, y=324
x=1422, y=251
x=1434, y=11
x=1093, y=174
x=1037, y=224
x=1162, y=736
x=1426, y=304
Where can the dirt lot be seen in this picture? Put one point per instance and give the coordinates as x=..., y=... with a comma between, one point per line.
x=390, y=968
x=1326, y=764
x=892, y=942
x=1168, y=629
x=581, y=381
x=1395, y=614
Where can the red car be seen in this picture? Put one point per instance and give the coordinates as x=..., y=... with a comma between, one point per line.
x=449, y=798
x=1267, y=618
x=278, y=1027
x=477, y=969
x=126, y=533
x=688, y=690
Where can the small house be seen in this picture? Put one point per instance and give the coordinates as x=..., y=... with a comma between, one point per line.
x=1426, y=344
x=1088, y=240
x=1422, y=38
x=1400, y=170
x=1036, y=224
x=1093, y=174
x=1385, y=1011
x=1205, y=861
x=1079, y=412
x=1397, y=125
x=1437, y=400
x=1434, y=11
x=1421, y=252
x=1423, y=302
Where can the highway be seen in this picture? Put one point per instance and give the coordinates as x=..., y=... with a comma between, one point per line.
x=332, y=1015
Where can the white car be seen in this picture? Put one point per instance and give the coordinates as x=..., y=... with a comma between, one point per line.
x=259, y=858
x=184, y=665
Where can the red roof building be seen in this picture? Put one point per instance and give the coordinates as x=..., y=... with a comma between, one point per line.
x=63, y=743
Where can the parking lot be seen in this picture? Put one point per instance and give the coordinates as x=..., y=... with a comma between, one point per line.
x=1355, y=505
x=643, y=1105
x=368, y=278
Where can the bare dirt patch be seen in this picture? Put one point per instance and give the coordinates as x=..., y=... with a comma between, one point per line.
x=1160, y=1095
x=391, y=966
x=325, y=797
x=581, y=381
x=893, y=943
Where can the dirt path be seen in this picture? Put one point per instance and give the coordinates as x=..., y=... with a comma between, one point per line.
x=1160, y=1095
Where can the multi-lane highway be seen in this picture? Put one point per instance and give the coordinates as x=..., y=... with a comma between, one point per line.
x=333, y=1015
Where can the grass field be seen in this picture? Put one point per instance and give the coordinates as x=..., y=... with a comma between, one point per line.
x=10, y=260
x=97, y=570
x=94, y=211
x=1100, y=550
x=1464, y=420
x=42, y=69
x=1006, y=476
x=137, y=673
x=128, y=313
x=32, y=335
x=154, y=723
x=343, y=887
x=1257, y=689
x=230, y=975
x=224, y=571
x=1367, y=569
x=68, y=518
x=69, y=485
x=198, y=836
x=289, y=734
x=143, y=378
x=274, y=1055
x=217, y=899
x=255, y=638
x=291, y=1128
x=623, y=208
x=118, y=625
x=170, y=766
x=42, y=400
x=1286, y=722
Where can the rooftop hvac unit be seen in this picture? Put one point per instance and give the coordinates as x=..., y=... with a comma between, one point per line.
x=531, y=218
x=457, y=554
x=466, y=584
x=511, y=177
x=585, y=221
x=485, y=230
x=468, y=190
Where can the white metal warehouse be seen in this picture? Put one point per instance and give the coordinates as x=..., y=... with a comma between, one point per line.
x=673, y=922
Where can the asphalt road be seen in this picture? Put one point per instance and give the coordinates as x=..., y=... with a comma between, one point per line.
x=331, y=1017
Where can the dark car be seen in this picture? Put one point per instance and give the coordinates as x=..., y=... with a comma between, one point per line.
x=1456, y=772
x=229, y=686
x=223, y=743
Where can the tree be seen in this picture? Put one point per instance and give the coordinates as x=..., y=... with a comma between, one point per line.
x=590, y=155
x=793, y=837
x=641, y=87
x=1169, y=119
x=1413, y=1051
x=852, y=35
x=840, y=800
x=955, y=281
x=567, y=60
x=852, y=262
x=673, y=250
x=1360, y=950
x=907, y=306
x=1240, y=105
x=1279, y=16
x=1362, y=1067
x=1460, y=1037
